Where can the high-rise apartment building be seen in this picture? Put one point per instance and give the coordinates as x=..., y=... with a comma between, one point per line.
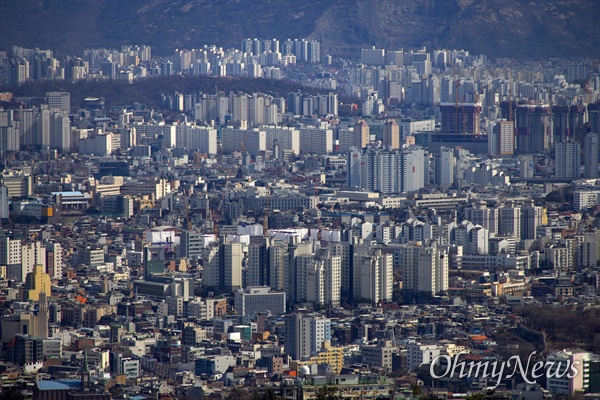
x=318, y=278
x=254, y=140
x=373, y=276
x=424, y=268
x=200, y=138
x=509, y=220
x=444, y=166
x=316, y=140
x=54, y=260
x=10, y=256
x=279, y=266
x=502, y=139
x=391, y=135
x=591, y=155
x=396, y=171
x=305, y=334
x=32, y=255
x=532, y=217
x=594, y=118
x=287, y=138
x=361, y=134
x=233, y=256
x=567, y=160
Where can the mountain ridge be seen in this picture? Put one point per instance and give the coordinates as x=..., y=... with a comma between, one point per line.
x=500, y=28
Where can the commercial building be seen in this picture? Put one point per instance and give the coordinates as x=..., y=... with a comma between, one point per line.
x=418, y=354
x=253, y=300
x=19, y=184
x=379, y=355
x=560, y=364
x=59, y=100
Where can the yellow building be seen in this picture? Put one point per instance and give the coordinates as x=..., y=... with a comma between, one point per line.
x=334, y=356
x=37, y=282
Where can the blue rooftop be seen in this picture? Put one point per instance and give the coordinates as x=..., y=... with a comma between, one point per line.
x=59, y=385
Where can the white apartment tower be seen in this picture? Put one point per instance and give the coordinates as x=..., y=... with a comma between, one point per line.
x=444, y=167
x=318, y=278
x=54, y=260
x=373, y=276
x=424, y=268
x=232, y=266
x=10, y=256
x=502, y=139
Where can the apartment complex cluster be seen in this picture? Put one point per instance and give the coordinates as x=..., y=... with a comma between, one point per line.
x=288, y=243
x=254, y=58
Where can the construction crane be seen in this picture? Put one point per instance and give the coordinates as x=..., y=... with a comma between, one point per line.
x=568, y=121
x=511, y=116
x=588, y=93
x=464, y=115
x=549, y=136
x=456, y=86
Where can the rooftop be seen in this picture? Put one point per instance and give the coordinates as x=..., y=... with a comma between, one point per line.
x=59, y=385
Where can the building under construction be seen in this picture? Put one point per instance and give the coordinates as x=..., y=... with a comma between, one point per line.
x=567, y=121
x=461, y=118
x=534, y=128
x=434, y=141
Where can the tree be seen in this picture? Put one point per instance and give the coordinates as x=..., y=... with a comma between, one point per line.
x=239, y=393
x=416, y=390
x=327, y=392
x=397, y=295
x=12, y=394
x=270, y=395
x=476, y=396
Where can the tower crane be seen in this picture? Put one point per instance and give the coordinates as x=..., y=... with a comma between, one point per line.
x=457, y=84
